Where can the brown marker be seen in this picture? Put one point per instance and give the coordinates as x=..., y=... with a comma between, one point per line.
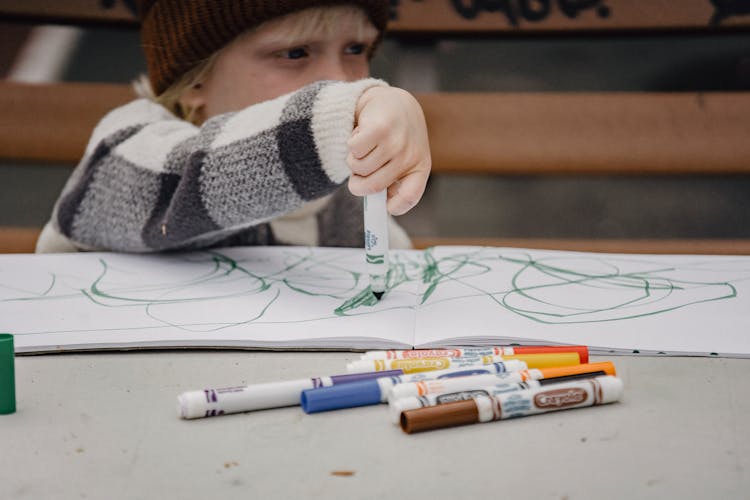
x=440, y=416
x=566, y=395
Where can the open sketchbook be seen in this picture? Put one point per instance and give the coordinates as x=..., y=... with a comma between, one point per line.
x=318, y=298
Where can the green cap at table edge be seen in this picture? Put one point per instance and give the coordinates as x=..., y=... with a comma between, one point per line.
x=7, y=375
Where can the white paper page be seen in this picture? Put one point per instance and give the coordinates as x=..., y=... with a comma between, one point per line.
x=648, y=303
x=243, y=297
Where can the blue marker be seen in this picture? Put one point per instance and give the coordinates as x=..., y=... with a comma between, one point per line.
x=376, y=241
x=376, y=391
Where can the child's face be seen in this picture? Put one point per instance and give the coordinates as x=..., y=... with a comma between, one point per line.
x=262, y=64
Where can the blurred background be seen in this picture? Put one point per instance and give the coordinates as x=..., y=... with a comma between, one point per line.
x=462, y=205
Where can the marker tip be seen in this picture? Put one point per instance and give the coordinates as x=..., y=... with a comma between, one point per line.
x=378, y=295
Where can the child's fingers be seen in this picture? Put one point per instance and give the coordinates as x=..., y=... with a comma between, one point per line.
x=394, y=168
x=370, y=163
x=361, y=143
x=365, y=138
x=358, y=185
x=404, y=194
x=362, y=185
x=385, y=175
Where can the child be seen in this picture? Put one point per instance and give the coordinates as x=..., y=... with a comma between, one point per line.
x=264, y=109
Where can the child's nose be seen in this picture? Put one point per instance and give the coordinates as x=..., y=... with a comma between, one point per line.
x=333, y=68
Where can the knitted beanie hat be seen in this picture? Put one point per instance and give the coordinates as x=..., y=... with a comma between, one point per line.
x=178, y=34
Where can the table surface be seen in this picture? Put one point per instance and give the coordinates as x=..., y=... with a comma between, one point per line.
x=104, y=425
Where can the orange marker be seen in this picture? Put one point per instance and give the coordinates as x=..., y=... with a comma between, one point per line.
x=582, y=350
x=453, y=384
x=428, y=364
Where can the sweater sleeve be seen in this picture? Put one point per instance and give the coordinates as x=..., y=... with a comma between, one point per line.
x=149, y=181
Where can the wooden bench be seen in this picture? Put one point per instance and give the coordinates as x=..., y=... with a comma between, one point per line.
x=620, y=133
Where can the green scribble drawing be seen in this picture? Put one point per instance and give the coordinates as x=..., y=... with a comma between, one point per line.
x=650, y=290
x=636, y=293
x=363, y=298
x=546, y=289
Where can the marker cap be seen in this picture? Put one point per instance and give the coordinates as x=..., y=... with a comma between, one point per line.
x=398, y=406
x=612, y=389
x=360, y=365
x=191, y=404
x=544, y=360
x=563, y=371
x=336, y=397
x=7, y=375
x=436, y=417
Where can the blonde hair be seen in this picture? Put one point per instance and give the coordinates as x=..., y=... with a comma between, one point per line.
x=297, y=25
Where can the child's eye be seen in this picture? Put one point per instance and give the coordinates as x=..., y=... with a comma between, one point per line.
x=295, y=53
x=356, y=49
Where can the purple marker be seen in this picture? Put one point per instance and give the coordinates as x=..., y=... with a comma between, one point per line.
x=215, y=402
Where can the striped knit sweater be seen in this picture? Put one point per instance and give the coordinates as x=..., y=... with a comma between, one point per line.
x=270, y=174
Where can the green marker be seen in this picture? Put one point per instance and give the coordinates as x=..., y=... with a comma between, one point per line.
x=7, y=375
x=376, y=241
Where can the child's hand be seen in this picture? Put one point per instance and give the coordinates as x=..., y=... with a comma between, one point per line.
x=389, y=148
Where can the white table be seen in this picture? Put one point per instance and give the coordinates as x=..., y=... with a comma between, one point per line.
x=104, y=425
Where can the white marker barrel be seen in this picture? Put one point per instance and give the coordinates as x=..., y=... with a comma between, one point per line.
x=215, y=402
x=387, y=383
x=454, y=384
x=575, y=394
x=376, y=240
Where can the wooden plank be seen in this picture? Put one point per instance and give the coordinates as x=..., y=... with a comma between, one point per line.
x=98, y=12
x=643, y=246
x=562, y=133
x=509, y=16
x=459, y=16
x=53, y=122
x=18, y=239
x=491, y=133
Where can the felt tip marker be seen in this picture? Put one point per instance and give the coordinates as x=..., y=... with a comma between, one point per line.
x=582, y=350
x=396, y=406
x=444, y=385
x=426, y=364
x=563, y=396
x=376, y=241
x=372, y=392
x=215, y=402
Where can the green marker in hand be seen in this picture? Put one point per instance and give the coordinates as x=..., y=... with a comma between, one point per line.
x=376, y=241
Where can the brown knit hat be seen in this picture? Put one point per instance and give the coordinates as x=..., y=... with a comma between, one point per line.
x=179, y=34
